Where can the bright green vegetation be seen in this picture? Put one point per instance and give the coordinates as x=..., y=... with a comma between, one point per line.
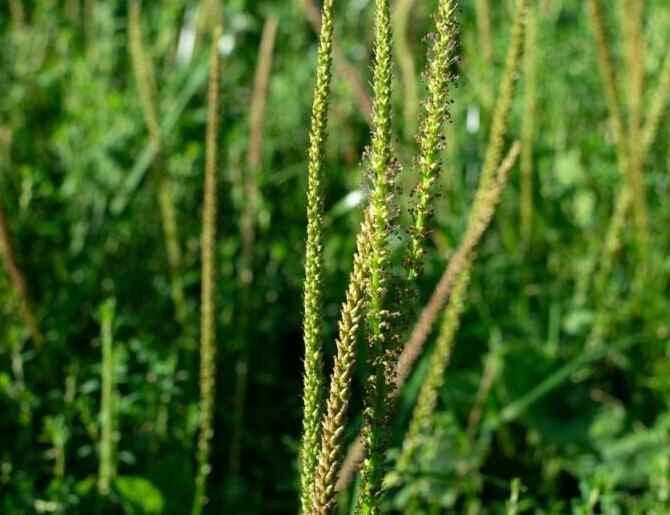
x=416, y=262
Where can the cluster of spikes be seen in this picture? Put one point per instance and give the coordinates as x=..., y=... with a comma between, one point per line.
x=374, y=292
x=376, y=301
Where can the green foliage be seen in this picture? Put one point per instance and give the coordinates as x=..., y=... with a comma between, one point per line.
x=138, y=496
x=578, y=415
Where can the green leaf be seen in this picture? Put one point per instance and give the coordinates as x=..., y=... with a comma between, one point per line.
x=138, y=495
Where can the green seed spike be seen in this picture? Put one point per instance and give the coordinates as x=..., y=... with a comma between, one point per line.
x=313, y=285
x=381, y=215
x=208, y=309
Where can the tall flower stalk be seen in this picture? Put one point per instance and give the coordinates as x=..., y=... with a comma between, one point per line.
x=375, y=231
x=17, y=15
x=414, y=344
x=609, y=84
x=485, y=46
x=313, y=287
x=342, y=65
x=422, y=328
x=334, y=418
x=381, y=220
x=107, y=445
x=208, y=309
x=439, y=79
x=483, y=11
x=402, y=11
x=506, y=92
x=18, y=280
x=528, y=125
x=634, y=42
x=146, y=84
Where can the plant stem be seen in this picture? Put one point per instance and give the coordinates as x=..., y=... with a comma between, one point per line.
x=343, y=66
x=380, y=220
x=107, y=470
x=17, y=278
x=528, y=127
x=313, y=287
x=208, y=304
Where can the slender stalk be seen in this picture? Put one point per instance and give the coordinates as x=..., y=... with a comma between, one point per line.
x=507, y=87
x=632, y=191
x=333, y=425
x=377, y=315
x=528, y=127
x=248, y=223
x=337, y=403
x=209, y=15
x=260, y=93
x=90, y=27
x=609, y=79
x=342, y=66
x=483, y=11
x=17, y=15
x=208, y=307
x=485, y=47
x=632, y=152
x=72, y=11
x=492, y=366
x=634, y=42
x=632, y=23
x=439, y=79
x=17, y=279
x=401, y=16
x=657, y=107
x=428, y=395
x=313, y=295
x=107, y=445
x=146, y=84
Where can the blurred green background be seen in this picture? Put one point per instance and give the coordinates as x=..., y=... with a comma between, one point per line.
x=77, y=186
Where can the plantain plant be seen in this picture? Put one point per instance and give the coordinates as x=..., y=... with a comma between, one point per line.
x=107, y=443
x=146, y=83
x=381, y=210
x=313, y=381
x=208, y=306
x=478, y=221
x=491, y=183
x=528, y=127
x=18, y=280
x=371, y=285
